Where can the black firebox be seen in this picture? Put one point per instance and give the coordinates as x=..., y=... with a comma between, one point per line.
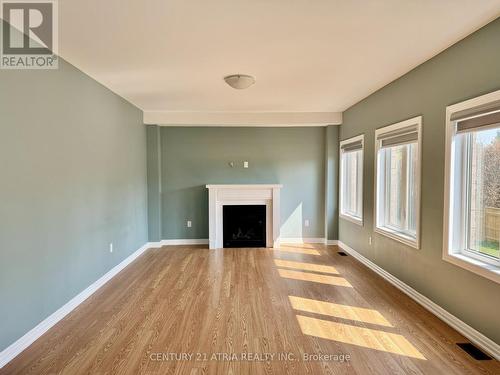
x=244, y=225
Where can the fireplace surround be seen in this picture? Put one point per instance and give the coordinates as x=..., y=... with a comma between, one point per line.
x=267, y=195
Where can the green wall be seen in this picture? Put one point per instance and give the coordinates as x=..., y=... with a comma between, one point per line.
x=192, y=157
x=154, y=182
x=73, y=180
x=331, y=181
x=468, y=69
x=73, y=167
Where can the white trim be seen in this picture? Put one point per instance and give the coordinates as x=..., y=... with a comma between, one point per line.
x=474, y=265
x=26, y=340
x=243, y=186
x=356, y=138
x=353, y=219
x=235, y=194
x=204, y=241
x=397, y=236
x=176, y=242
x=474, y=336
x=13, y=350
x=480, y=259
x=300, y=240
x=381, y=230
x=281, y=119
x=491, y=272
x=219, y=218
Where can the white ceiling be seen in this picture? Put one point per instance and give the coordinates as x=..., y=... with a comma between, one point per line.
x=307, y=56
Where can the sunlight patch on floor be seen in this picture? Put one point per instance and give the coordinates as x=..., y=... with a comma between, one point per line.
x=364, y=337
x=339, y=311
x=305, y=266
x=298, y=250
x=314, y=277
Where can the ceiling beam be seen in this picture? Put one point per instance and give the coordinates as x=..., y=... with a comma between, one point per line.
x=174, y=118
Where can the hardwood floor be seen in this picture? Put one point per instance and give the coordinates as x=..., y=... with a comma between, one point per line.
x=217, y=305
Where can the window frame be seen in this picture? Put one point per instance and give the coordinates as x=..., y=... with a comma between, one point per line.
x=385, y=230
x=343, y=214
x=470, y=260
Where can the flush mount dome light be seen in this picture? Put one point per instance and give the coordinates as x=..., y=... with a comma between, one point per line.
x=239, y=81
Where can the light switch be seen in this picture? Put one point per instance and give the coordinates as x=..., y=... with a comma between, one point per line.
x=188, y=223
x=245, y=164
x=306, y=223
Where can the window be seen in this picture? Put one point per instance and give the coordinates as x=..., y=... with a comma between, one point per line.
x=472, y=189
x=351, y=179
x=397, y=199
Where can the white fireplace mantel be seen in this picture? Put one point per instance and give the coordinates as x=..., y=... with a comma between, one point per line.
x=221, y=195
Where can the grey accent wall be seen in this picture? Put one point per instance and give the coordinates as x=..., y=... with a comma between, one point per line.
x=73, y=180
x=192, y=157
x=154, y=182
x=466, y=70
x=332, y=181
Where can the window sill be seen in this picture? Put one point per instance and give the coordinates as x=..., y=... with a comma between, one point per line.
x=407, y=240
x=352, y=219
x=474, y=265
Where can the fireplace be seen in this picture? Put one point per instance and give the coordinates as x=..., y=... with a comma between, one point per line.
x=244, y=225
x=220, y=196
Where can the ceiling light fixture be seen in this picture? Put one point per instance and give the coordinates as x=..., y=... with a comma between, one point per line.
x=239, y=81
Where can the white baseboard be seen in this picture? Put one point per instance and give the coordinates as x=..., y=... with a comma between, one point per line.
x=9, y=353
x=204, y=241
x=22, y=343
x=474, y=336
x=301, y=240
x=195, y=241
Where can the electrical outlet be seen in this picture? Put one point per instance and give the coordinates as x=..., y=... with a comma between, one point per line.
x=111, y=247
x=245, y=164
x=188, y=223
x=306, y=223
